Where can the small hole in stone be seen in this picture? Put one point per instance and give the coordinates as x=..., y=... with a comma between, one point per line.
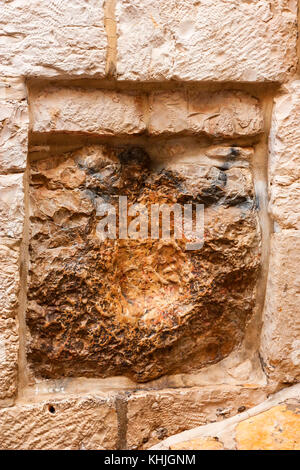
x=241, y=409
x=51, y=409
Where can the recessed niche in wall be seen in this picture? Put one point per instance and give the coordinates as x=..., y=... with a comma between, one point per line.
x=142, y=307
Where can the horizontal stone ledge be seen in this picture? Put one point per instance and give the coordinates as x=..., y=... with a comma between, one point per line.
x=223, y=114
x=93, y=421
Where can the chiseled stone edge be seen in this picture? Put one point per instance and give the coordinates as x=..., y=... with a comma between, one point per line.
x=280, y=339
x=13, y=159
x=14, y=141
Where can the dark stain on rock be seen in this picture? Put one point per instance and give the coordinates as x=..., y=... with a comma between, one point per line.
x=140, y=308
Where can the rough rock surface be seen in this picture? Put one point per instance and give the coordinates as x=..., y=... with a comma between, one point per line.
x=11, y=206
x=140, y=308
x=70, y=424
x=89, y=111
x=52, y=39
x=223, y=40
x=13, y=125
x=280, y=344
x=284, y=166
x=9, y=286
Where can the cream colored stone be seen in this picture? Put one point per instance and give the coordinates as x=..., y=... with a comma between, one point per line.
x=284, y=166
x=12, y=88
x=271, y=425
x=224, y=114
x=11, y=205
x=87, y=423
x=53, y=38
x=87, y=111
x=224, y=40
x=9, y=346
x=9, y=280
x=281, y=328
x=154, y=415
x=220, y=114
x=14, y=121
x=168, y=112
x=199, y=444
x=9, y=287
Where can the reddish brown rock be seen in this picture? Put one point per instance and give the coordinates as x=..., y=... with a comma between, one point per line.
x=142, y=308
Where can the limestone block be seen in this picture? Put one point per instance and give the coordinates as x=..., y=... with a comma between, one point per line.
x=9, y=287
x=154, y=415
x=275, y=429
x=9, y=347
x=284, y=167
x=52, y=39
x=281, y=323
x=207, y=443
x=86, y=111
x=9, y=279
x=71, y=424
x=11, y=206
x=14, y=121
x=225, y=40
x=274, y=424
x=220, y=114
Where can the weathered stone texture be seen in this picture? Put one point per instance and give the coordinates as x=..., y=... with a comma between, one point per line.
x=226, y=114
x=136, y=307
x=221, y=40
x=9, y=287
x=221, y=114
x=207, y=443
x=274, y=424
x=14, y=121
x=90, y=111
x=11, y=206
x=275, y=429
x=9, y=279
x=154, y=415
x=52, y=39
x=281, y=327
x=9, y=347
x=71, y=424
x=284, y=166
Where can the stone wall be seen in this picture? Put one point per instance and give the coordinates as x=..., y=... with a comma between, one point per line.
x=121, y=343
